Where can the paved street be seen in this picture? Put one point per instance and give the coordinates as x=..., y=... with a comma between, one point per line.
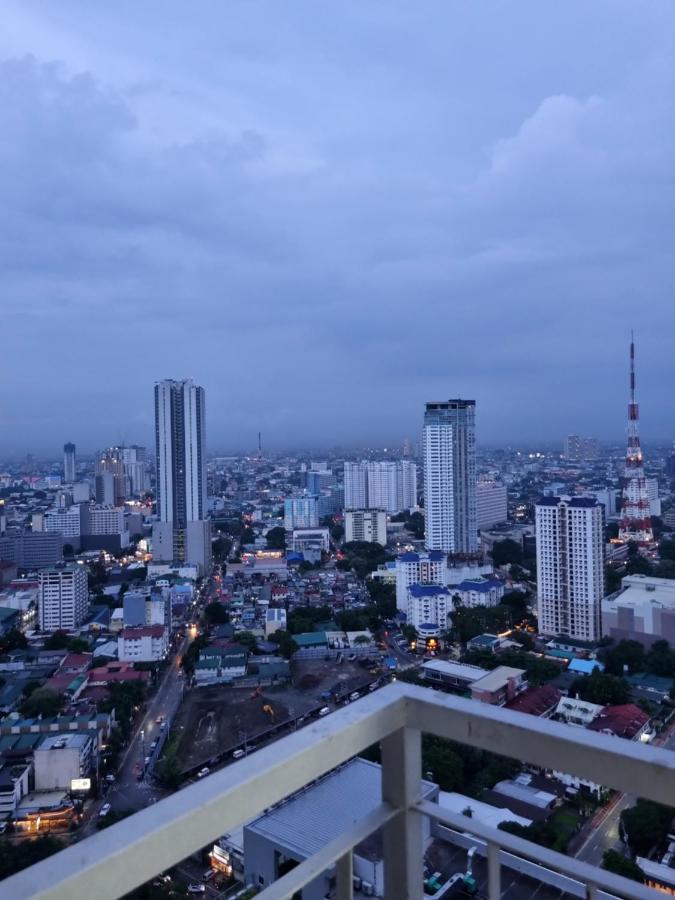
x=605, y=833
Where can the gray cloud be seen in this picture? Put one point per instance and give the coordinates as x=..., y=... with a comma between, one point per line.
x=329, y=219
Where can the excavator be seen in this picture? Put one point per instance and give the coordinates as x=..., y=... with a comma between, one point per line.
x=270, y=712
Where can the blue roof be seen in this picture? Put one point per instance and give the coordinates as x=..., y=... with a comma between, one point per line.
x=481, y=585
x=585, y=666
x=431, y=555
x=427, y=590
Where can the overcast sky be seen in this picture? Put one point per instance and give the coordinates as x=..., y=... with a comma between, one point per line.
x=328, y=213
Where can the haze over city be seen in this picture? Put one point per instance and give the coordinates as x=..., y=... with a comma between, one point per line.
x=329, y=219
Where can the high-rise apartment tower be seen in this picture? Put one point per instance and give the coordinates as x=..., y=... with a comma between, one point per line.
x=69, y=463
x=449, y=454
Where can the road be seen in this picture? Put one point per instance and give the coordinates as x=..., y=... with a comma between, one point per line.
x=605, y=827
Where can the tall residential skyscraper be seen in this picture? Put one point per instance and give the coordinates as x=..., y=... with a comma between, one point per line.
x=449, y=454
x=635, y=523
x=182, y=533
x=379, y=484
x=69, y=463
x=570, y=566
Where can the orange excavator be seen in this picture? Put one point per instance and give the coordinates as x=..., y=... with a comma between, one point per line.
x=268, y=709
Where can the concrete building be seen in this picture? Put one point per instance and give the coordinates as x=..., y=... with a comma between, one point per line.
x=355, y=485
x=452, y=675
x=65, y=520
x=13, y=788
x=652, y=485
x=30, y=550
x=63, y=599
x=570, y=566
x=643, y=611
x=429, y=604
x=380, y=484
x=143, y=643
x=103, y=528
x=500, y=686
x=479, y=591
x=491, y=504
x=417, y=568
x=104, y=489
x=311, y=542
x=275, y=620
x=301, y=512
x=450, y=476
x=291, y=832
x=183, y=532
x=62, y=758
x=368, y=525
x=69, y=463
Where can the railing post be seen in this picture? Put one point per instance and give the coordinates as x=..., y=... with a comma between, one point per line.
x=494, y=872
x=402, y=837
x=344, y=876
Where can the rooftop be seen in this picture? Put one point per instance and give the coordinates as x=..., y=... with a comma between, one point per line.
x=497, y=678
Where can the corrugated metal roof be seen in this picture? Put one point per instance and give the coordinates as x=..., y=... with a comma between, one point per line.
x=313, y=818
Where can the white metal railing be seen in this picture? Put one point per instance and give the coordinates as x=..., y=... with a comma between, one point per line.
x=132, y=852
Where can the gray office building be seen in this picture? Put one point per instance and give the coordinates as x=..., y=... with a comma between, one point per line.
x=32, y=550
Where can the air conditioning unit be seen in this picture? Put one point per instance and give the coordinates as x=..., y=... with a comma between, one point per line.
x=367, y=888
x=356, y=882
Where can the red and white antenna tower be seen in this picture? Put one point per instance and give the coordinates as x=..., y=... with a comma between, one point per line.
x=636, y=523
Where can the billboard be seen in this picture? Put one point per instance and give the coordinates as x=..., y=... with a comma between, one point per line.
x=80, y=784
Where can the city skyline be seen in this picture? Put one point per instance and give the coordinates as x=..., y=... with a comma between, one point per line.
x=259, y=203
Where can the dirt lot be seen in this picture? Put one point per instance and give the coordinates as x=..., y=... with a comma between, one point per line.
x=214, y=719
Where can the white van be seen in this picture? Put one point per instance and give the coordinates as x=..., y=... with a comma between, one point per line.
x=238, y=754
x=324, y=710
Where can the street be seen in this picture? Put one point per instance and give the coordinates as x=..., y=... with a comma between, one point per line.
x=605, y=833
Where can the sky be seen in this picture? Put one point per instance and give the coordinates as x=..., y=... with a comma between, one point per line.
x=328, y=214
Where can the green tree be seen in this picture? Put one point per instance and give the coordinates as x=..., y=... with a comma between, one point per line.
x=15, y=857
x=638, y=565
x=42, y=702
x=667, y=550
x=612, y=579
x=630, y=654
x=248, y=536
x=59, y=640
x=216, y=614
x=661, y=660
x=68, y=550
x=622, y=865
x=507, y=551
x=646, y=825
x=276, y=538
x=285, y=642
x=247, y=640
x=607, y=690
x=446, y=766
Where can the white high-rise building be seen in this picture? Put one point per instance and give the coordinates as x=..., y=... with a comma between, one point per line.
x=356, y=486
x=491, y=504
x=450, y=476
x=69, y=463
x=64, y=598
x=570, y=566
x=301, y=512
x=381, y=484
x=368, y=525
x=182, y=533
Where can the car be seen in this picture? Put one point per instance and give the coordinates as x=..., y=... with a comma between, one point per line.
x=153, y=745
x=162, y=727
x=354, y=695
x=238, y=754
x=104, y=810
x=110, y=778
x=159, y=720
x=196, y=888
x=147, y=760
x=203, y=772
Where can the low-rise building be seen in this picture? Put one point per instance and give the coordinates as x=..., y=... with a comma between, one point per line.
x=13, y=788
x=643, y=611
x=452, y=675
x=220, y=665
x=144, y=643
x=626, y=720
x=63, y=758
x=275, y=620
x=499, y=686
x=577, y=712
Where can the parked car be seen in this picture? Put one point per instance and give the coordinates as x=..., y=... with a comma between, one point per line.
x=203, y=772
x=238, y=754
x=110, y=778
x=104, y=810
x=196, y=888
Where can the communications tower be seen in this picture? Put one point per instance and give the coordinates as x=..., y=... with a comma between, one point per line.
x=635, y=524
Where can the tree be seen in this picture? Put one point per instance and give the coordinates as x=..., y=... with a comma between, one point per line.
x=646, y=825
x=626, y=655
x=246, y=639
x=42, y=702
x=667, y=550
x=362, y=639
x=68, y=550
x=638, y=565
x=383, y=596
x=15, y=857
x=661, y=660
x=665, y=569
x=446, y=766
x=216, y=614
x=59, y=640
x=612, y=579
x=507, y=551
x=276, y=538
x=285, y=642
x=606, y=690
x=248, y=536
x=622, y=865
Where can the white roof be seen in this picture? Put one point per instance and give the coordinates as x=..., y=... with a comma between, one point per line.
x=482, y=812
x=455, y=670
x=497, y=678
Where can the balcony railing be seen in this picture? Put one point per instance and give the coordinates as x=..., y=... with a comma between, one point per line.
x=132, y=852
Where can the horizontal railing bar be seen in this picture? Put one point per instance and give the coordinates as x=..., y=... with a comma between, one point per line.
x=628, y=766
x=129, y=853
x=315, y=865
x=550, y=859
